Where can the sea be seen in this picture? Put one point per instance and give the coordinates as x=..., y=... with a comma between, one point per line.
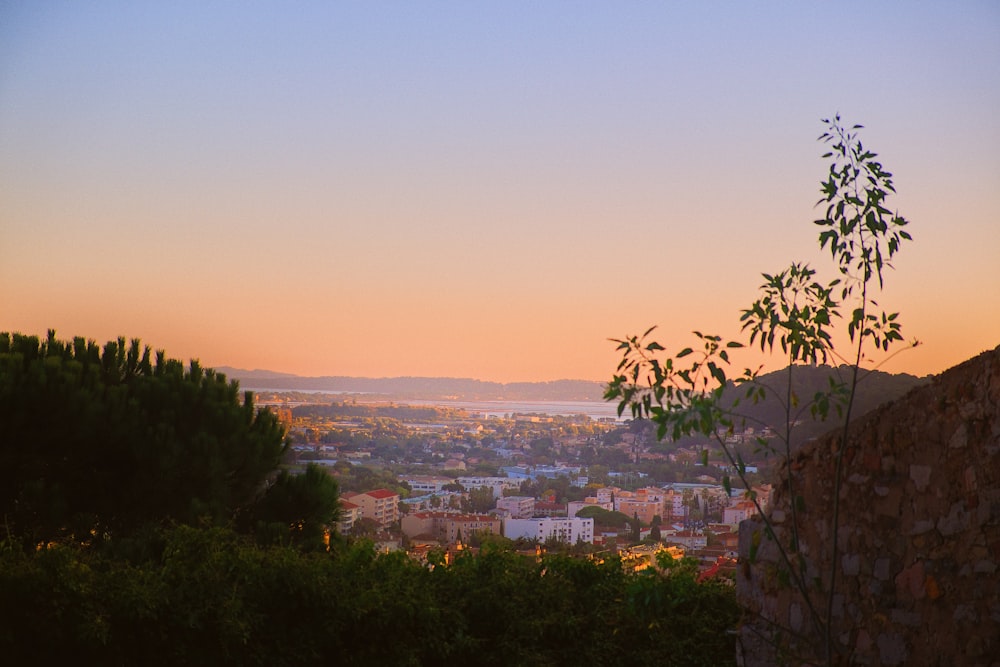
x=597, y=410
x=593, y=409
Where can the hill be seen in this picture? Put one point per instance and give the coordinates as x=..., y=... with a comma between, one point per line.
x=874, y=389
x=424, y=388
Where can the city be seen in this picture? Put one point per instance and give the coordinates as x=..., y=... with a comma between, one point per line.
x=507, y=334
x=423, y=478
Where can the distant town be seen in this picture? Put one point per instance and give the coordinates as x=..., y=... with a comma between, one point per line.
x=425, y=478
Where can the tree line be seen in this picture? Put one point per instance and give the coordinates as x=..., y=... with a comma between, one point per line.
x=189, y=595
x=146, y=520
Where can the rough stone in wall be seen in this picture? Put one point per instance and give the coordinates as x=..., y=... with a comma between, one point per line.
x=918, y=564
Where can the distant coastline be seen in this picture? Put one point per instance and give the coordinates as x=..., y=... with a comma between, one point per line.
x=593, y=409
x=557, y=398
x=422, y=388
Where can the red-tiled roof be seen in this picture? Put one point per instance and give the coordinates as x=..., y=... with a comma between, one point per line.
x=542, y=505
x=381, y=493
x=743, y=505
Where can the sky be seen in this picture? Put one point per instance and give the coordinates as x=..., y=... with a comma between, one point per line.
x=488, y=190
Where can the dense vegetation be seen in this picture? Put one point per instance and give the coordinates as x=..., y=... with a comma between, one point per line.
x=207, y=596
x=145, y=521
x=100, y=442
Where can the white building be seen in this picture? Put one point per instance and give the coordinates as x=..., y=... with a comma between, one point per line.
x=421, y=484
x=690, y=539
x=607, y=494
x=498, y=484
x=520, y=507
x=349, y=513
x=564, y=529
x=673, y=503
x=738, y=511
x=380, y=505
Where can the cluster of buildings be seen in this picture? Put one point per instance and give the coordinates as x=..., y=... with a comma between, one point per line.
x=516, y=516
x=426, y=485
x=475, y=465
x=450, y=527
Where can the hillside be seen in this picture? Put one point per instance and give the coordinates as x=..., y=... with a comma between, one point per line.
x=424, y=388
x=874, y=389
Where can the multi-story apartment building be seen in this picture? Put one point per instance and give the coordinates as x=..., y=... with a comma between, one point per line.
x=421, y=484
x=642, y=509
x=673, y=504
x=652, y=493
x=498, y=484
x=380, y=505
x=564, y=529
x=607, y=494
x=737, y=512
x=520, y=507
x=544, y=508
x=690, y=539
x=349, y=513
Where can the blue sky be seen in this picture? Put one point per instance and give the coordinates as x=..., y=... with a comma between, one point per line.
x=482, y=190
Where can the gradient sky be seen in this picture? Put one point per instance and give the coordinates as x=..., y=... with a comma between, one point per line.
x=477, y=189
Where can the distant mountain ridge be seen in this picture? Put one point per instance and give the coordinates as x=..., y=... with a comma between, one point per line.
x=875, y=388
x=257, y=373
x=424, y=388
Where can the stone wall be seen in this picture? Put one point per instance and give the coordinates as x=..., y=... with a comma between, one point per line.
x=918, y=565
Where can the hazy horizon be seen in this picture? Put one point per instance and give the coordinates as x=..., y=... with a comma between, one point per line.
x=279, y=374
x=486, y=190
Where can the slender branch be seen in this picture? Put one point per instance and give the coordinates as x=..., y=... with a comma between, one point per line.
x=796, y=575
x=842, y=448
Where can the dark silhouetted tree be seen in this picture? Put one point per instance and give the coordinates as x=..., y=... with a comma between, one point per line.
x=102, y=441
x=298, y=509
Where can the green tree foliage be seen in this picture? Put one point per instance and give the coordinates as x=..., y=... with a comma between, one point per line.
x=635, y=528
x=297, y=509
x=365, y=478
x=367, y=528
x=481, y=500
x=654, y=529
x=101, y=441
x=605, y=518
x=207, y=596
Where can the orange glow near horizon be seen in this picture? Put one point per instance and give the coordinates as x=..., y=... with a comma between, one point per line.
x=506, y=356
x=471, y=198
